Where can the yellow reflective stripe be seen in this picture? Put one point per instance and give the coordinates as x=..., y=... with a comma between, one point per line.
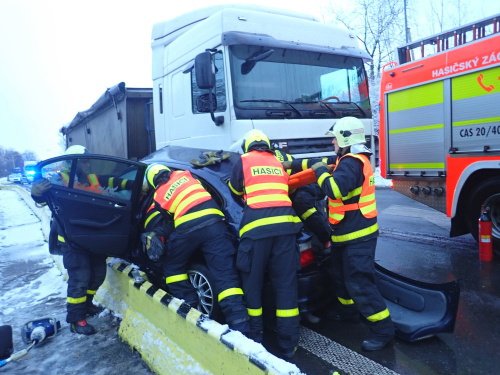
x=75, y=301
x=266, y=186
x=308, y=213
x=229, y=292
x=233, y=189
x=288, y=313
x=123, y=184
x=304, y=165
x=324, y=159
x=384, y=314
x=269, y=198
x=196, y=215
x=416, y=97
x=151, y=217
x=178, y=200
x=476, y=121
x=111, y=182
x=344, y=301
x=369, y=208
x=269, y=221
x=176, y=278
x=322, y=178
x=357, y=234
x=367, y=198
x=335, y=188
x=91, y=292
x=255, y=312
x=417, y=129
x=60, y=238
x=353, y=193
x=417, y=166
x=189, y=200
x=337, y=216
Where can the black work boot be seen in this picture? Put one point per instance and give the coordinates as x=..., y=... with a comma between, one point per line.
x=382, y=333
x=376, y=342
x=83, y=328
x=93, y=310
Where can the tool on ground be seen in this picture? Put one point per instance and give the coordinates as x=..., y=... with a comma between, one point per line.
x=32, y=333
x=484, y=234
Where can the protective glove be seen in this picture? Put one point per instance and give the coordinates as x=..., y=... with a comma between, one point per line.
x=318, y=165
x=286, y=164
x=40, y=187
x=152, y=245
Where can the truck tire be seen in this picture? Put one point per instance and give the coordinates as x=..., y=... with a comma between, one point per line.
x=487, y=190
x=202, y=281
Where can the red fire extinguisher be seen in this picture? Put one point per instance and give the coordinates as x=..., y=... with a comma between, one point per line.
x=485, y=240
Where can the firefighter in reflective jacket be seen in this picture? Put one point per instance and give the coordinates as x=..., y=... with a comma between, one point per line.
x=86, y=271
x=198, y=225
x=267, y=239
x=304, y=201
x=353, y=216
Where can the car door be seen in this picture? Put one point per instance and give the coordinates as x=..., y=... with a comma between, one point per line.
x=95, y=201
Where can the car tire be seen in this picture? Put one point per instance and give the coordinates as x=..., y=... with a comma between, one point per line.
x=485, y=190
x=202, y=281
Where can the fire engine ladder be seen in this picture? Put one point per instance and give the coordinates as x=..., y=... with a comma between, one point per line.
x=449, y=39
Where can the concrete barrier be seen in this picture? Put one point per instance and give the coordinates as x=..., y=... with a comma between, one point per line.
x=174, y=338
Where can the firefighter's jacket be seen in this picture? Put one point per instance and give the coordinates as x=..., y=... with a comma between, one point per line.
x=351, y=198
x=186, y=200
x=260, y=179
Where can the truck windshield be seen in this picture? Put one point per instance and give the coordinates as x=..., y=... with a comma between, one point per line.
x=274, y=82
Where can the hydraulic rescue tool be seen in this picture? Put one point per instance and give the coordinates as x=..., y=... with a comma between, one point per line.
x=32, y=333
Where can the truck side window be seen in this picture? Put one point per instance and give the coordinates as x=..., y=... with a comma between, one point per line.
x=220, y=88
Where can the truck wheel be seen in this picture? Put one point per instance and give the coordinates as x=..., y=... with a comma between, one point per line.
x=202, y=281
x=488, y=190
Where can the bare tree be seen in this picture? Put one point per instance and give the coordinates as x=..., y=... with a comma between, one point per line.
x=378, y=25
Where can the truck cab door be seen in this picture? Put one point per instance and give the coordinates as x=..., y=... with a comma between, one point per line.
x=95, y=199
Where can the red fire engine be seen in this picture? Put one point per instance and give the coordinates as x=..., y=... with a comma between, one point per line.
x=440, y=124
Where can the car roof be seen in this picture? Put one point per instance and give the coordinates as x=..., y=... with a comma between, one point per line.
x=180, y=157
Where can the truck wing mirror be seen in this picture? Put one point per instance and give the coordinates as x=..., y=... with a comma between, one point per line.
x=205, y=70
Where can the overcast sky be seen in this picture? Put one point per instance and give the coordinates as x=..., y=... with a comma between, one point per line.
x=58, y=56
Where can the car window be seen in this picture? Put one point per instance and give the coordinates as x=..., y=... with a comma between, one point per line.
x=105, y=177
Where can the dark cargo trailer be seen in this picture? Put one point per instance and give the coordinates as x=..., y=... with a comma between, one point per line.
x=120, y=123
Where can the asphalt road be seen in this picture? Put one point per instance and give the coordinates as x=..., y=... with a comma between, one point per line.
x=414, y=242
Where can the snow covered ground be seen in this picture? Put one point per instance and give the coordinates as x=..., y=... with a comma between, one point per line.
x=31, y=287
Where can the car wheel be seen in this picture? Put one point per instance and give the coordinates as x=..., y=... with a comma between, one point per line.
x=489, y=191
x=202, y=281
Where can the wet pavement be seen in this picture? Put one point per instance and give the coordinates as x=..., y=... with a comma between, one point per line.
x=414, y=242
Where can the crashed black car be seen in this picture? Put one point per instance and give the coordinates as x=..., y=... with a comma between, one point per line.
x=109, y=222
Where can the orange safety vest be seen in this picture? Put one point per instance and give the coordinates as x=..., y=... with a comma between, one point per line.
x=180, y=193
x=366, y=203
x=266, y=182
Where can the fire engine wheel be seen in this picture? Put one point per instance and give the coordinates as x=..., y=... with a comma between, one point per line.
x=488, y=192
x=202, y=281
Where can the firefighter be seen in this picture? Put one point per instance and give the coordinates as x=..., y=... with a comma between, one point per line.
x=267, y=239
x=353, y=217
x=304, y=200
x=86, y=270
x=198, y=226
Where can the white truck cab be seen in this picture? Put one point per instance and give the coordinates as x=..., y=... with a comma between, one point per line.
x=222, y=71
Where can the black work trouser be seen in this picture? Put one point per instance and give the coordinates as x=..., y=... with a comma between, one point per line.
x=304, y=201
x=277, y=257
x=353, y=268
x=213, y=241
x=86, y=273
